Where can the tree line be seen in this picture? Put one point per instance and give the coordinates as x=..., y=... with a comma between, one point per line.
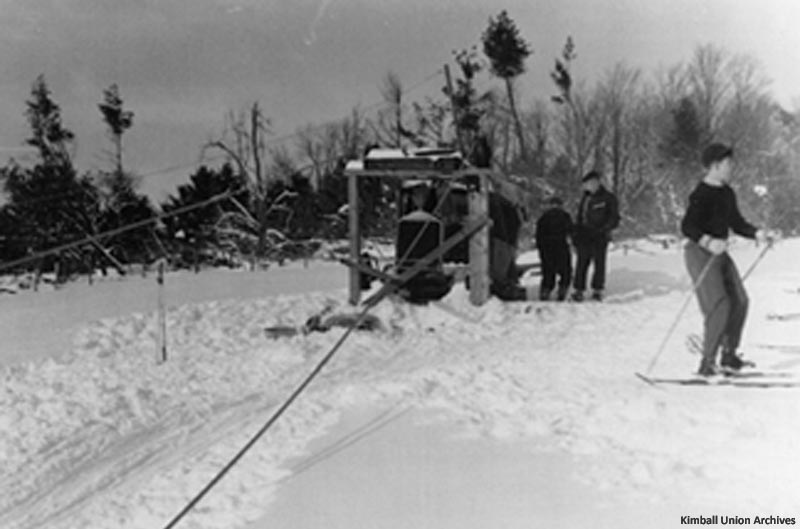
x=643, y=132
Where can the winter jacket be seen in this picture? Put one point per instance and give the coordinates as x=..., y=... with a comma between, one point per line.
x=553, y=228
x=713, y=211
x=598, y=215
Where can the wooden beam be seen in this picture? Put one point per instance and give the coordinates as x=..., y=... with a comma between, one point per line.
x=418, y=174
x=114, y=262
x=354, y=233
x=94, y=242
x=478, y=200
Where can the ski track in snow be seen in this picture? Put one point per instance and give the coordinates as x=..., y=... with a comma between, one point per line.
x=104, y=437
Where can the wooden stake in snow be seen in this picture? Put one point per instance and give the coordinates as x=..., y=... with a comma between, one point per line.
x=161, y=350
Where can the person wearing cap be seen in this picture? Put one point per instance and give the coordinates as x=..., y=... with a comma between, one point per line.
x=598, y=215
x=553, y=230
x=710, y=217
x=420, y=196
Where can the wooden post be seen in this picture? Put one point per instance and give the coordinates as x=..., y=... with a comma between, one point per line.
x=161, y=350
x=478, y=198
x=355, y=237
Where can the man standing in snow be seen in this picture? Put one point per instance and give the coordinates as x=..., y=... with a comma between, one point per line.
x=711, y=215
x=598, y=215
x=553, y=229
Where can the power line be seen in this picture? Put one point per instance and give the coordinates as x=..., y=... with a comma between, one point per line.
x=270, y=142
x=38, y=255
x=285, y=137
x=334, y=158
x=178, y=167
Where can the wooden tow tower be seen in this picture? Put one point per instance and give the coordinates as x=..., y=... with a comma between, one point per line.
x=446, y=169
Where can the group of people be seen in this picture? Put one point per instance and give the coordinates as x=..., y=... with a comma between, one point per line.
x=590, y=233
x=711, y=215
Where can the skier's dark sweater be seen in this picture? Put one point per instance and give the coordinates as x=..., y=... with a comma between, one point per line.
x=553, y=228
x=713, y=211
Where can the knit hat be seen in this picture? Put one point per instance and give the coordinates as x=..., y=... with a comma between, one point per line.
x=716, y=152
x=591, y=175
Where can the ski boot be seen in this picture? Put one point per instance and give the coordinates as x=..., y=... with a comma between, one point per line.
x=597, y=295
x=561, y=295
x=707, y=369
x=577, y=296
x=730, y=361
x=544, y=295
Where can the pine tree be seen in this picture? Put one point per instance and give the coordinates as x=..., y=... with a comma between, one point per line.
x=208, y=230
x=507, y=52
x=48, y=203
x=48, y=135
x=118, y=120
x=122, y=204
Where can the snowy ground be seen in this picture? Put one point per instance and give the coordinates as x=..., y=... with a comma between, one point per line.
x=94, y=434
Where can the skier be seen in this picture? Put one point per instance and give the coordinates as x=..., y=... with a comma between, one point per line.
x=553, y=229
x=711, y=215
x=598, y=215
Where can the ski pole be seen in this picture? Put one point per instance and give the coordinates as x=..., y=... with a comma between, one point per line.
x=757, y=260
x=692, y=292
x=686, y=301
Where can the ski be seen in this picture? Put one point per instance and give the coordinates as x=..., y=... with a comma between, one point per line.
x=755, y=379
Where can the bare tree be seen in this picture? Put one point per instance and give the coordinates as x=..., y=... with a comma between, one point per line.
x=709, y=83
x=431, y=122
x=244, y=145
x=582, y=126
x=539, y=121
x=619, y=95
x=392, y=92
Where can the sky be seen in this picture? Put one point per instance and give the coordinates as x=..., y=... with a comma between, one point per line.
x=183, y=65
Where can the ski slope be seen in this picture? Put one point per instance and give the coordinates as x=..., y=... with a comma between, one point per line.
x=95, y=434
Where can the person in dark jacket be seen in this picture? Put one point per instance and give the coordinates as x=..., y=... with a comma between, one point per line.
x=598, y=215
x=711, y=215
x=553, y=230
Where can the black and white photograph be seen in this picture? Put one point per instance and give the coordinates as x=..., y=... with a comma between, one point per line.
x=399, y=264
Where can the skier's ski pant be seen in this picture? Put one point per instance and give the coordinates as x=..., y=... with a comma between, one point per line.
x=591, y=252
x=722, y=298
x=556, y=262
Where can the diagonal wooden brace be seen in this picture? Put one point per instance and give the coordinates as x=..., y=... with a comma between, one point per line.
x=469, y=229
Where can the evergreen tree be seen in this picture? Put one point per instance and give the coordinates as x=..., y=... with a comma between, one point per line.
x=122, y=205
x=199, y=233
x=507, y=52
x=48, y=203
x=48, y=135
x=118, y=120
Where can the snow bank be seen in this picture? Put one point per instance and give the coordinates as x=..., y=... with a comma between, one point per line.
x=103, y=437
